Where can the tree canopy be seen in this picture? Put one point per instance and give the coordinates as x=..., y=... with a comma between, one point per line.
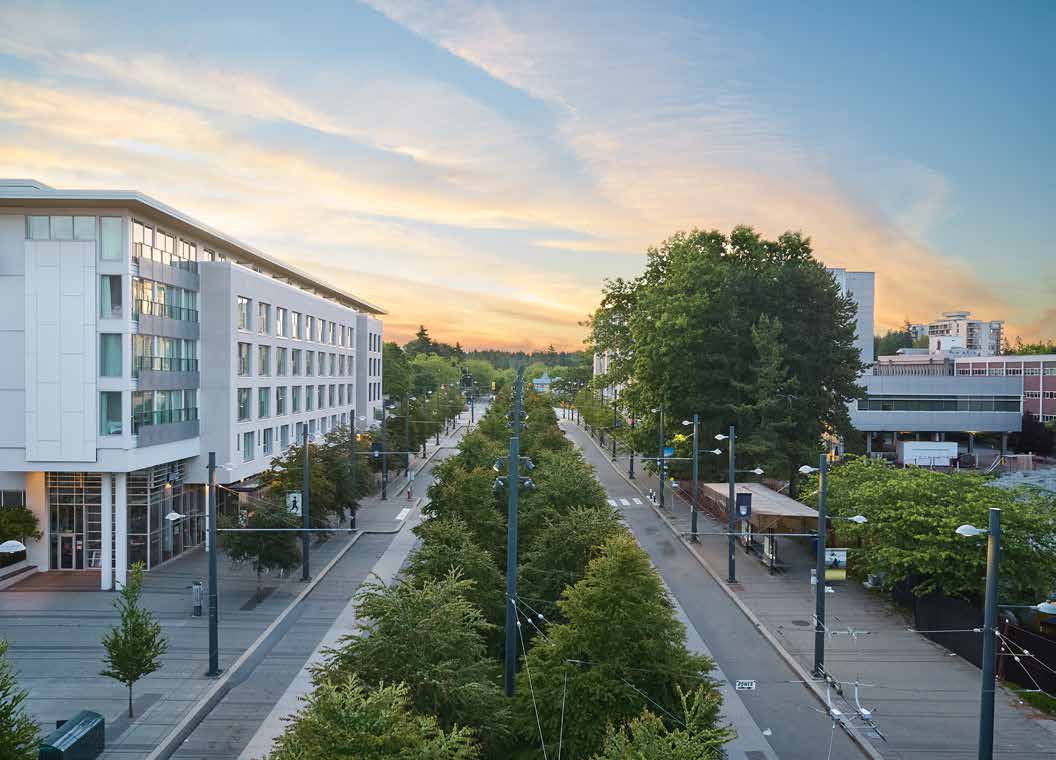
x=725, y=326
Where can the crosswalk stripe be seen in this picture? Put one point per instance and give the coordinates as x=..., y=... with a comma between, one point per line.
x=637, y=501
x=612, y=502
x=625, y=502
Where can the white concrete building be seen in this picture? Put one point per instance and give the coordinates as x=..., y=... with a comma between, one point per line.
x=983, y=337
x=136, y=340
x=861, y=288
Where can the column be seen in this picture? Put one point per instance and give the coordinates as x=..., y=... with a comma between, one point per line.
x=120, y=529
x=869, y=444
x=106, y=576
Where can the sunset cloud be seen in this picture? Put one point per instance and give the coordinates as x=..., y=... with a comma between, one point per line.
x=479, y=168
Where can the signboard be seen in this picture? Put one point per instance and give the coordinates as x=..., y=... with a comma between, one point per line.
x=669, y=451
x=293, y=502
x=375, y=448
x=744, y=684
x=835, y=564
x=744, y=505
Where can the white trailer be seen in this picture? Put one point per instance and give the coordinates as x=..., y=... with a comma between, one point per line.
x=927, y=453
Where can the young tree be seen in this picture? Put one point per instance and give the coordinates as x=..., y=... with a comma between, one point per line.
x=286, y=473
x=18, y=523
x=344, y=719
x=135, y=647
x=623, y=640
x=18, y=733
x=266, y=550
x=699, y=737
x=431, y=638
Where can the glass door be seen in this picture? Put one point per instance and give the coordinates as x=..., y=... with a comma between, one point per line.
x=66, y=552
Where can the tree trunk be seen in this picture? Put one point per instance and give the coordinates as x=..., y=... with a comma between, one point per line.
x=130, y=700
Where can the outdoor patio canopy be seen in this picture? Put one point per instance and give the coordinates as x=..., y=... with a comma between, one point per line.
x=771, y=511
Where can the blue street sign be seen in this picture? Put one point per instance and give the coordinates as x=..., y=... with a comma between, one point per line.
x=669, y=451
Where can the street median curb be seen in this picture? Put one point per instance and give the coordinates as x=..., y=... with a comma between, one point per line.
x=222, y=686
x=856, y=736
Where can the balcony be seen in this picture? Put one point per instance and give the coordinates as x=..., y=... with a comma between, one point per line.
x=166, y=320
x=162, y=266
x=165, y=373
x=165, y=426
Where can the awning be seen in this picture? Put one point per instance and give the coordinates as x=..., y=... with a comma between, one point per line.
x=770, y=509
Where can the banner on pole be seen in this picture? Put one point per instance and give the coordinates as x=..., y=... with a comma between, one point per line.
x=835, y=564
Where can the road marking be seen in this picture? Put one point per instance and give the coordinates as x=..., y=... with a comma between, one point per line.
x=612, y=502
x=637, y=501
x=403, y=513
x=625, y=502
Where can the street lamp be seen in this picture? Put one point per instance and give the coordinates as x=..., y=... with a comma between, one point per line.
x=731, y=546
x=662, y=464
x=695, y=422
x=993, y=556
x=819, y=585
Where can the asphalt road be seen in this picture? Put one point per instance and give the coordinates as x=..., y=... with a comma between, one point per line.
x=799, y=729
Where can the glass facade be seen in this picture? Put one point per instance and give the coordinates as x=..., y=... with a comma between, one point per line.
x=881, y=403
x=74, y=519
x=165, y=516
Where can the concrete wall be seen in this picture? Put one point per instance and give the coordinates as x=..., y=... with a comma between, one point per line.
x=861, y=287
x=368, y=355
x=937, y=421
x=12, y=332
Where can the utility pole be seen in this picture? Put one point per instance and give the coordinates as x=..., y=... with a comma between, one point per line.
x=819, y=585
x=305, y=574
x=437, y=415
x=407, y=434
x=614, y=421
x=214, y=614
x=384, y=450
x=630, y=463
x=663, y=461
x=986, y=712
x=730, y=507
x=513, y=483
x=696, y=457
x=352, y=465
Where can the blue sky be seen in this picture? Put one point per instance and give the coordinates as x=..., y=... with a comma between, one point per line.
x=482, y=167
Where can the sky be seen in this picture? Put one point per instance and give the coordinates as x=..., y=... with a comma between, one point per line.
x=481, y=168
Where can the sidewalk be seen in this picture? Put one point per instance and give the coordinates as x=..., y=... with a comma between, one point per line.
x=55, y=635
x=924, y=699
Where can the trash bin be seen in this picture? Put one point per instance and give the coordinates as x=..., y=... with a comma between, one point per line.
x=82, y=737
x=196, y=598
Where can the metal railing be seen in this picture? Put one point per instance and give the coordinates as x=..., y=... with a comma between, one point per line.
x=155, y=309
x=163, y=364
x=144, y=252
x=163, y=417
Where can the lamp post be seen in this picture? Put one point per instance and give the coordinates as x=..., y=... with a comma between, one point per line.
x=614, y=421
x=512, y=488
x=305, y=574
x=993, y=557
x=695, y=422
x=407, y=432
x=352, y=463
x=731, y=570
x=630, y=461
x=214, y=636
x=819, y=566
x=661, y=462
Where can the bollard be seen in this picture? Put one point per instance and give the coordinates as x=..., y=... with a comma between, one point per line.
x=196, y=599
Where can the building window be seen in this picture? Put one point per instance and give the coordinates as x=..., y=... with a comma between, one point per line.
x=243, y=404
x=243, y=359
x=38, y=228
x=284, y=437
x=311, y=429
x=110, y=305
x=295, y=325
x=1050, y=394
x=1032, y=371
x=319, y=330
x=333, y=334
x=243, y=313
x=269, y=434
x=263, y=403
x=295, y=399
x=280, y=361
x=109, y=355
x=309, y=398
x=295, y=361
x=341, y=395
x=110, y=413
x=280, y=322
x=280, y=401
x=248, y=444
x=111, y=243
x=309, y=363
x=264, y=318
x=333, y=395
x=264, y=360
x=1031, y=394
x=1050, y=371
x=309, y=323
x=333, y=364
x=322, y=396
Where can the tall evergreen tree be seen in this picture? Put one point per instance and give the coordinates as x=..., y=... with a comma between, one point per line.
x=18, y=732
x=135, y=647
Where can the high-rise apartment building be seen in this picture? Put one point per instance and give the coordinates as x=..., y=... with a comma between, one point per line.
x=979, y=336
x=137, y=340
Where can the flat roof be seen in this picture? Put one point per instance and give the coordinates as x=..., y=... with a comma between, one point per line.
x=770, y=509
x=1010, y=358
x=32, y=194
